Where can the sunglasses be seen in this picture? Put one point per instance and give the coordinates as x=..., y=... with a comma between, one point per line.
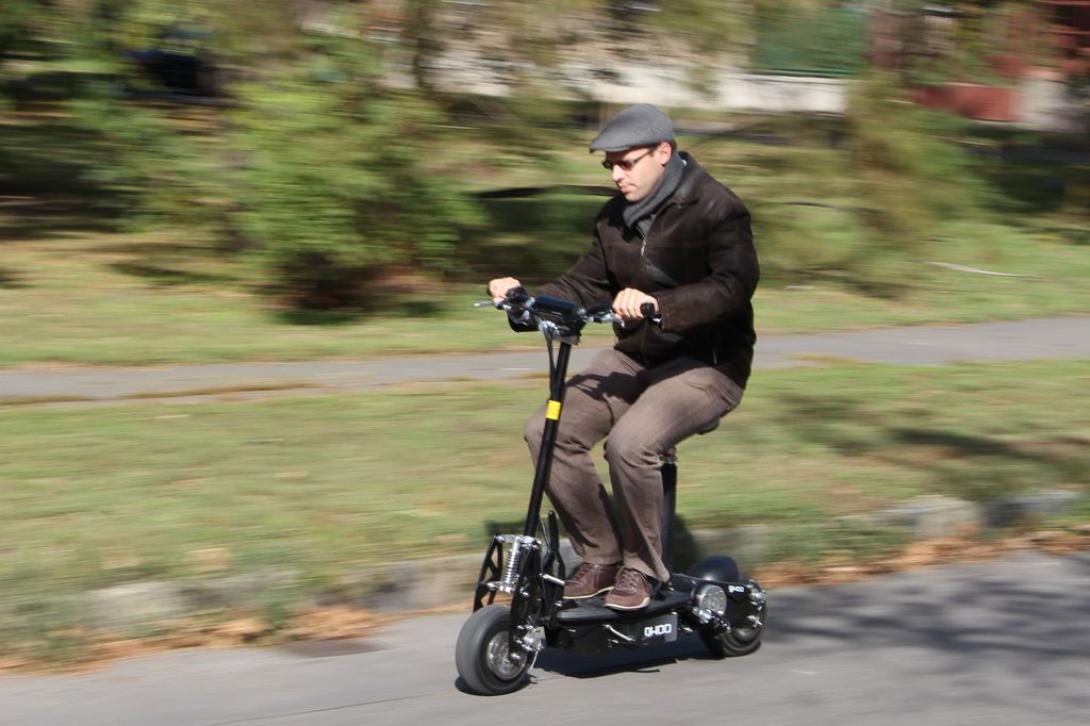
x=625, y=164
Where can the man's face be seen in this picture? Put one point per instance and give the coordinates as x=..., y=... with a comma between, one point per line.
x=645, y=166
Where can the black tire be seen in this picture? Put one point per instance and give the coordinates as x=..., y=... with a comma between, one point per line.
x=731, y=643
x=742, y=638
x=482, y=654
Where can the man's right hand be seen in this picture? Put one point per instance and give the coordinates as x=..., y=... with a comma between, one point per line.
x=498, y=288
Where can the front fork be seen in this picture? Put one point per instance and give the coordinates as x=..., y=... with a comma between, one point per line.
x=532, y=572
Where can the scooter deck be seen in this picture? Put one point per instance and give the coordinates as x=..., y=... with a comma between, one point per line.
x=593, y=610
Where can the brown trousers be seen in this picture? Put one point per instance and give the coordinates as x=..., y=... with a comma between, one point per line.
x=644, y=411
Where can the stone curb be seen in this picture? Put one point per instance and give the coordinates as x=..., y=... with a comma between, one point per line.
x=139, y=605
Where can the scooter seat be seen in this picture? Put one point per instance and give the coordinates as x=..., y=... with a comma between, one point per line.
x=592, y=610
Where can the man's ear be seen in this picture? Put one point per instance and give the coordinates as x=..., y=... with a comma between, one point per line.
x=663, y=152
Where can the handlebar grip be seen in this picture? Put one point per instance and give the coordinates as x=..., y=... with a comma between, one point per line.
x=647, y=310
x=517, y=295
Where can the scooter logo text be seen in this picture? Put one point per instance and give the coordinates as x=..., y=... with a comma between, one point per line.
x=652, y=630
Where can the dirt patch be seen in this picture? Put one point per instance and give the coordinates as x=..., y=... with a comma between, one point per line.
x=319, y=624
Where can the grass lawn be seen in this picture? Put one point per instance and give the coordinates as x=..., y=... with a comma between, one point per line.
x=99, y=496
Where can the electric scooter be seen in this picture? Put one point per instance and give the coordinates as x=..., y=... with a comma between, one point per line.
x=499, y=643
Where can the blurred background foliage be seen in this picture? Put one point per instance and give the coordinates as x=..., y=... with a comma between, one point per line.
x=323, y=141
x=202, y=181
x=797, y=38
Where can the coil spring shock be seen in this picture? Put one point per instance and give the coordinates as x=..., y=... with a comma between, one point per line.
x=518, y=545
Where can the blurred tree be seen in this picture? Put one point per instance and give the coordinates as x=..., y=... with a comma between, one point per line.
x=914, y=176
x=334, y=190
x=715, y=27
x=422, y=37
x=17, y=24
x=964, y=40
x=316, y=165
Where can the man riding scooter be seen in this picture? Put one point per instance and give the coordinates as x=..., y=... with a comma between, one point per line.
x=677, y=244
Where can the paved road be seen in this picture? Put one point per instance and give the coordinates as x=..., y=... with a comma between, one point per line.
x=924, y=345
x=995, y=643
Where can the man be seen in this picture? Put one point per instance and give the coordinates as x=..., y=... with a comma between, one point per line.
x=676, y=239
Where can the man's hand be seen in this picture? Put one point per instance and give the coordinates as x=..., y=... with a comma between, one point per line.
x=498, y=288
x=628, y=301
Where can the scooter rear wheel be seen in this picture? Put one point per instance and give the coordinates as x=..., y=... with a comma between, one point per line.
x=740, y=639
x=487, y=663
x=731, y=643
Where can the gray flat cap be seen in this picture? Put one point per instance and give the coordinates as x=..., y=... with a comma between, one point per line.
x=639, y=125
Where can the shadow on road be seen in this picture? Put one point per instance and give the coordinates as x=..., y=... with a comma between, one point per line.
x=955, y=619
x=938, y=610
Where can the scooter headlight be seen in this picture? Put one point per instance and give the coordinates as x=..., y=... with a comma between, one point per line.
x=711, y=598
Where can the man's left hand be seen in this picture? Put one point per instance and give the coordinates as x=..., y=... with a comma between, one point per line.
x=628, y=301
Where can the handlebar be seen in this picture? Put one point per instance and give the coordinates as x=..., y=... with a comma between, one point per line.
x=517, y=300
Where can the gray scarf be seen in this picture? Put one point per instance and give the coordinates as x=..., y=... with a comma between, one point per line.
x=639, y=214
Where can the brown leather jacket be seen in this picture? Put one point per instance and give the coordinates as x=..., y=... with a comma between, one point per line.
x=698, y=261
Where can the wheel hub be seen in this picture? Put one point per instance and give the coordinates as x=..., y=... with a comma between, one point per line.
x=501, y=660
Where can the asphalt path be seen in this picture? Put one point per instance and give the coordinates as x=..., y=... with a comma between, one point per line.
x=922, y=345
x=996, y=643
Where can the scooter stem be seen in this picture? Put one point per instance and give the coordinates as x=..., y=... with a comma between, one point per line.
x=548, y=439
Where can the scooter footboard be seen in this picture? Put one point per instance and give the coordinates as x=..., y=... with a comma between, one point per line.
x=621, y=634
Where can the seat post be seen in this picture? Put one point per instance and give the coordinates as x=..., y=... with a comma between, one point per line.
x=669, y=504
x=669, y=495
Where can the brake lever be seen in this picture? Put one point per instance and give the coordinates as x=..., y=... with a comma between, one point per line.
x=608, y=317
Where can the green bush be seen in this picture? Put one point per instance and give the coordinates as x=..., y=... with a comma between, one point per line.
x=171, y=176
x=866, y=214
x=912, y=176
x=333, y=187
x=315, y=168
x=801, y=242
x=908, y=158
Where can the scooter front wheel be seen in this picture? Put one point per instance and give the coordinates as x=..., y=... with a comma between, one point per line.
x=486, y=660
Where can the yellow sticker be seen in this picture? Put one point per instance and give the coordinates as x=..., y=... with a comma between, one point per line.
x=552, y=410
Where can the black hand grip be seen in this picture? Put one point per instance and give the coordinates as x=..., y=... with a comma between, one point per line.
x=647, y=310
x=517, y=295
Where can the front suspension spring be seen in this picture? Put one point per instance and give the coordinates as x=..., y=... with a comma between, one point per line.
x=518, y=546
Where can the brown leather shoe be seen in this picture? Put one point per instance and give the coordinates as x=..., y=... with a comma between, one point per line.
x=590, y=580
x=632, y=591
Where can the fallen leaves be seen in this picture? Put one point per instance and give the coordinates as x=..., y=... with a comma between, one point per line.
x=924, y=553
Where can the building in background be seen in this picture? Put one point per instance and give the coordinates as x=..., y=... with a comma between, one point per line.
x=1025, y=67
